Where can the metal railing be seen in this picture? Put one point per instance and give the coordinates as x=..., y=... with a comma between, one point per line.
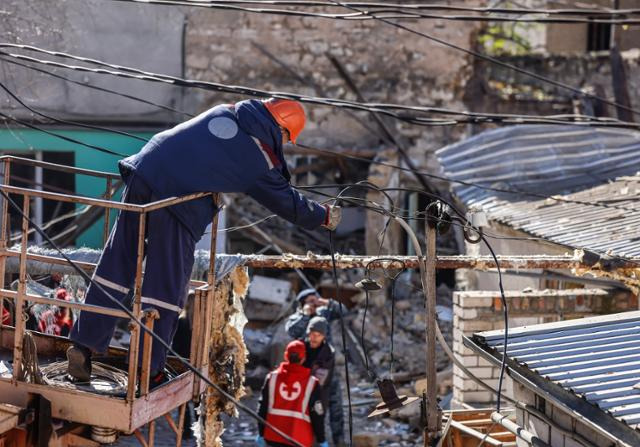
x=204, y=293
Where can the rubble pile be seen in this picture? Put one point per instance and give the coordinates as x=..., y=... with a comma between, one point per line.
x=409, y=345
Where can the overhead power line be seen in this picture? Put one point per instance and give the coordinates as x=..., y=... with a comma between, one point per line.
x=410, y=114
x=398, y=11
x=97, y=88
x=517, y=192
x=487, y=58
x=588, y=9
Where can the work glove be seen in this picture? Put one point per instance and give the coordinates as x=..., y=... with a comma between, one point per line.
x=334, y=214
x=260, y=442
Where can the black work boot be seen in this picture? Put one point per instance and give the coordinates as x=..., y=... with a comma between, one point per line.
x=79, y=367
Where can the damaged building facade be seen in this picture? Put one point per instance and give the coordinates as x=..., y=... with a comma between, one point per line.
x=370, y=62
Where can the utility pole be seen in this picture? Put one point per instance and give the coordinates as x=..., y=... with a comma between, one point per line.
x=433, y=418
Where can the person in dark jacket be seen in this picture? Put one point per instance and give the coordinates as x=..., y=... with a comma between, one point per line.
x=320, y=355
x=312, y=305
x=291, y=402
x=229, y=148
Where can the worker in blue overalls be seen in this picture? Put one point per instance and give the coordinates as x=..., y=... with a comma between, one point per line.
x=229, y=148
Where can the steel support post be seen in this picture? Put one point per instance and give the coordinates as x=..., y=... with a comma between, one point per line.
x=134, y=343
x=3, y=236
x=22, y=291
x=107, y=213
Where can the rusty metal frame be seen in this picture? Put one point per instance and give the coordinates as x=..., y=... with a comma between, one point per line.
x=137, y=409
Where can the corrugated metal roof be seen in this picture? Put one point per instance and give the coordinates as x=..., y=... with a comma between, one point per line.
x=582, y=164
x=596, y=358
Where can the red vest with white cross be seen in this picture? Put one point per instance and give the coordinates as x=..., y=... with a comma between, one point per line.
x=288, y=410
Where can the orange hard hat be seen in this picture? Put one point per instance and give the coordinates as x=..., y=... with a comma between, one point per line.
x=288, y=114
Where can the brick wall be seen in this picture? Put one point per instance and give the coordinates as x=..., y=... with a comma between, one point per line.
x=482, y=311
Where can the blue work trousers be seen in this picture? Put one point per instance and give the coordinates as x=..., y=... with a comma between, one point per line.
x=169, y=248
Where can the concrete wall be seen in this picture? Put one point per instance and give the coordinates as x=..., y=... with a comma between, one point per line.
x=141, y=36
x=482, y=311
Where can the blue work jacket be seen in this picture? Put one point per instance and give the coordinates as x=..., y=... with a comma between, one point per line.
x=229, y=148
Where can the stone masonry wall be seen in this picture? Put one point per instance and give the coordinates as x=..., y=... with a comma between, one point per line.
x=482, y=311
x=387, y=64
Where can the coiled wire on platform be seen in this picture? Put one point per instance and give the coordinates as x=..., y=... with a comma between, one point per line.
x=105, y=379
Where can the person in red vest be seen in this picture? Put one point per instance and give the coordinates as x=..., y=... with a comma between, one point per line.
x=57, y=321
x=6, y=316
x=291, y=402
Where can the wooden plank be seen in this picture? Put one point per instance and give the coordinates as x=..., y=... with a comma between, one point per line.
x=72, y=405
x=161, y=400
x=475, y=433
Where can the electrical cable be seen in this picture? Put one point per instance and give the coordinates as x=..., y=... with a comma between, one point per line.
x=72, y=123
x=589, y=9
x=394, y=12
x=344, y=340
x=97, y=88
x=62, y=137
x=489, y=58
x=439, y=335
x=503, y=190
x=393, y=110
x=465, y=226
x=438, y=332
x=467, y=183
x=142, y=326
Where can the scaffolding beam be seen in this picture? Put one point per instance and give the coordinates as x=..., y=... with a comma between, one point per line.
x=45, y=264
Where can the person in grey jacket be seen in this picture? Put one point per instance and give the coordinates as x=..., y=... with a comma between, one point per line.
x=311, y=304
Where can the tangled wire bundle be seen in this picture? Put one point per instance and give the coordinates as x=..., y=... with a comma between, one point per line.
x=105, y=379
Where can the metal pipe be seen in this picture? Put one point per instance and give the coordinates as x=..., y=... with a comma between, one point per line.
x=134, y=344
x=107, y=213
x=38, y=206
x=485, y=263
x=152, y=206
x=6, y=174
x=323, y=262
x=57, y=167
x=5, y=293
x=486, y=438
x=517, y=430
x=22, y=291
x=72, y=198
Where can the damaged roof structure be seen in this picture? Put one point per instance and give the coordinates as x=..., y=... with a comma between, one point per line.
x=561, y=171
x=583, y=374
